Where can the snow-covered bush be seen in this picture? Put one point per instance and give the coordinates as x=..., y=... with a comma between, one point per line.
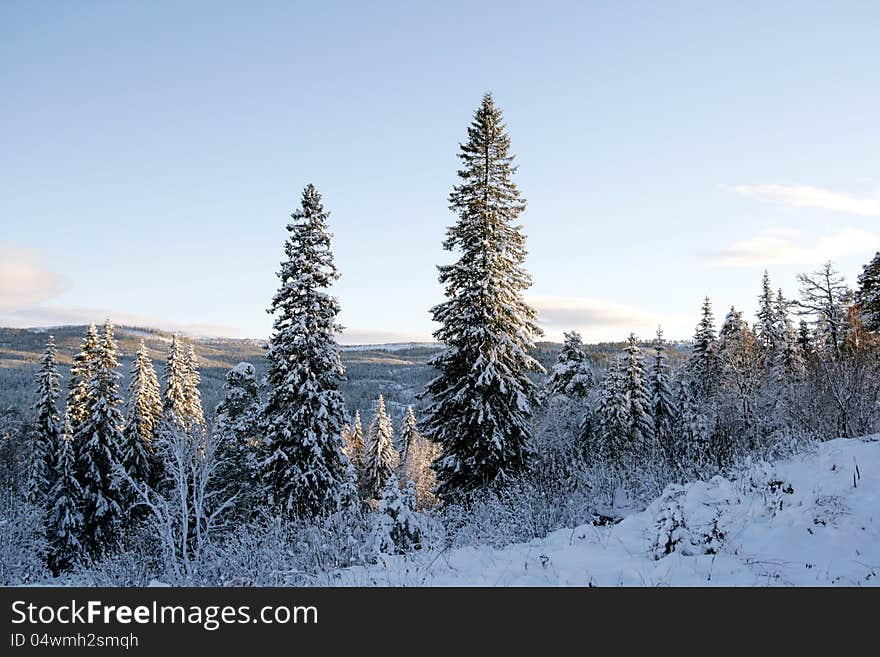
x=761, y=478
x=399, y=526
x=672, y=534
x=22, y=541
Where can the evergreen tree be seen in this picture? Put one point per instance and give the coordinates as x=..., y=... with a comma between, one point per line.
x=611, y=420
x=195, y=415
x=662, y=404
x=143, y=411
x=868, y=294
x=572, y=375
x=638, y=397
x=80, y=373
x=380, y=457
x=399, y=525
x=805, y=338
x=355, y=444
x=174, y=376
x=767, y=326
x=789, y=364
x=65, y=521
x=703, y=367
x=409, y=433
x=99, y=439
x=47, y=427
x=237, y=427
x=480, y=412
x=304, y=467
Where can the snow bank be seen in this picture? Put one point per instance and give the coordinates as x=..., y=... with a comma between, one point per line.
x=807, y=521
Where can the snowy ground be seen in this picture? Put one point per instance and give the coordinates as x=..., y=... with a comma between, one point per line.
x=808, y=521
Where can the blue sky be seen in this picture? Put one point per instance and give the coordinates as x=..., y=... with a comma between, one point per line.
x=152, y=152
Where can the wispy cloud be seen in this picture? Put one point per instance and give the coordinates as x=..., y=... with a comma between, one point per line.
x=597, y=320
x=24, y=279
x=788, y=247
x=805, y=196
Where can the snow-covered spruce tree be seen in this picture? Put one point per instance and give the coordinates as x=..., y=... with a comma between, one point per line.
x=611, y=420
x=703, y=367
x=400, y=528
x=572, y=375
x=789, y=365
x=195, y=414
x=767, y=325
x=142, y=417
x=80, y=373
x=303, y=466
x=741, y=359
x=64, y=522
x=354, y=445
x=868, y=294
x=380, y=457
x=174, y=379
x=237, y=429
x=663, y=407
x=408, y=434
x=638, y=399
x=47, y=427
x=99, y=439
x=480, y=411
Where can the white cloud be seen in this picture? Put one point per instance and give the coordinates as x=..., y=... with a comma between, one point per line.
x=805, y=196
x=787, y=247
x=24, y=280
x=598, y=320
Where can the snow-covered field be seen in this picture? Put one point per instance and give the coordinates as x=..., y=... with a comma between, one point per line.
x=807, y=521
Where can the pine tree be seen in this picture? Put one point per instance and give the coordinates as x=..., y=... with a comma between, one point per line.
x=868, y=294
x=789, y=364
x=99, y=439
x=195, y=415
x=354, y=447
x=638, y=397
x=47, y=427
x=65, y=522
x=399, y=524
x=409, y=433
x=703, y=367
x=662, y=404
x=237, y=427
x=767, y=326
x=611, y=420
x=141, y=423
x=80, y=373
x=380, y=457
x=174, y=378
x=480, y=412
x=572, y=375
x=304, y=467
x=805, y=338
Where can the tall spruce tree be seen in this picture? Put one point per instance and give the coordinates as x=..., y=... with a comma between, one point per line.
x=767, y=324
x=304, y=467
x=355, y=444
x=789, y=365
x=142, y=417
x=868, y=294
x=409, y=434
x=80, y=373
x=481, y=402
x=638, y=396
x=237, y=428
x=610, y=421
x=704, y=367
x=663, y=407
x=174, y=375
x=380, y=456
x=64, y=522
x=572, y=375
x=99, y=439
x=195, y=414
x=47, y=426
